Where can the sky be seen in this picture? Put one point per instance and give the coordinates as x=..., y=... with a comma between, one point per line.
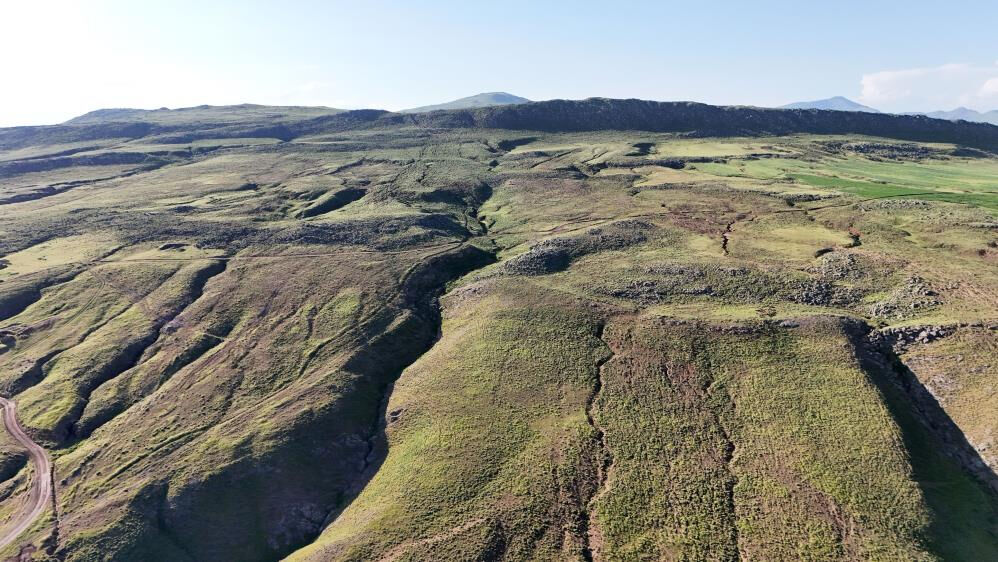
x=62, y=58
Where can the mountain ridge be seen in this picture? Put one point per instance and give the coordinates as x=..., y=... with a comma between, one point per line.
x=243, y=112
x=965, y=114
x=840, y=103
x=592, y=114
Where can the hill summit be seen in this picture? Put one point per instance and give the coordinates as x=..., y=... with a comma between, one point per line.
x=479, y=100
x=837, y=103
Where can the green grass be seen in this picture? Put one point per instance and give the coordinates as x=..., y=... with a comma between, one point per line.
x=870, y=190
x=963, y=524
x=441, y=473
x=814, y=454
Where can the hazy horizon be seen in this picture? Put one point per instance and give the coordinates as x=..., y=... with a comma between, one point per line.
x=72, y=59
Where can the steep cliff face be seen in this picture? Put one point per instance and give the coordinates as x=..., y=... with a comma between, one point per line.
x=599, y=114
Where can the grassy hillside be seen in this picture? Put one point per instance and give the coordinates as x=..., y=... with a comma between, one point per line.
x=394, y=337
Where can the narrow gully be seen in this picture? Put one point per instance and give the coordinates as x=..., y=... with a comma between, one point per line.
x=591, y=536
x=420, y=290
x=729, y=457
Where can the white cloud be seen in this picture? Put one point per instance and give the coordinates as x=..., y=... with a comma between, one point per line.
x=989, y=89
x=932, y=88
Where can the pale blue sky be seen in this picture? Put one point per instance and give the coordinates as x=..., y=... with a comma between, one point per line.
x=61, y=59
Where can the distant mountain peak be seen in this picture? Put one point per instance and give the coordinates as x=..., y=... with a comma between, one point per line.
x=965, y=114
x=485, y=99
x=836, y=103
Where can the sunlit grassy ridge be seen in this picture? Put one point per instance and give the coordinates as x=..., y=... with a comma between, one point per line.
x=773, y=443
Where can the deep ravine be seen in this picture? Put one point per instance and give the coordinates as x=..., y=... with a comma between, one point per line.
x=420, y=290
x=885, y=367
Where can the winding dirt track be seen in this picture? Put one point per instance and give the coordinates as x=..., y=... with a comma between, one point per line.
x=41, y=488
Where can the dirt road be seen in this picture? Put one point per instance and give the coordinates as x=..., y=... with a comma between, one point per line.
x=41, y=488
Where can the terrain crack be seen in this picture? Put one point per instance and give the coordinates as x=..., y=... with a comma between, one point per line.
x=725, y=237
x=729, y=449
x=592, y=538
x=729, y=228
x=419, y=290
x=53, y=541
x=556, y=156
x=854, y=234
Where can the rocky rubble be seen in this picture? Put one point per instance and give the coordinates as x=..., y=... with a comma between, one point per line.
x=794, y=198
x=911, y=298
x=647, y=292
x=892, y=204
x=879, y=150
x=901, y=337
x=837, y=265
x=819, y=292
x=555, y=254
